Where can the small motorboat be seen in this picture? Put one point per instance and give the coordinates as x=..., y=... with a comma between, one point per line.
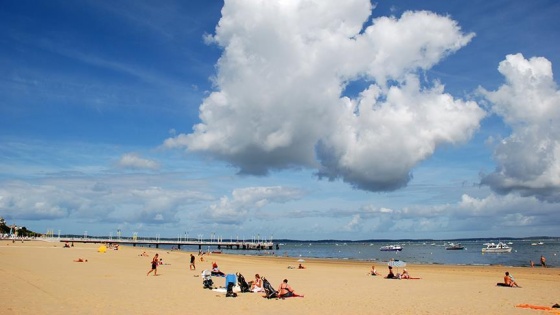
x=496, y=248
x=391, y=248
x=453, y=246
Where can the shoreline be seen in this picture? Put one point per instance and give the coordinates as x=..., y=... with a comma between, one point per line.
x=370, y=261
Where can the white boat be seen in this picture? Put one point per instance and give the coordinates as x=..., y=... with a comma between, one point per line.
x=453, y=246
x=496, y=248
x=391, y=248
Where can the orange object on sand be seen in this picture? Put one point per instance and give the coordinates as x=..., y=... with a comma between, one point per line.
x=539, y=307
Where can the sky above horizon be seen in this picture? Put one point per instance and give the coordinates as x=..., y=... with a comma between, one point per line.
x=281, y=119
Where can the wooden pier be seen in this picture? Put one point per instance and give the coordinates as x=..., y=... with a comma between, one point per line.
x=238, y=245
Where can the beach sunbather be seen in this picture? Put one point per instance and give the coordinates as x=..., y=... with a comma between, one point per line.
x=216, y=271
x=80, y=260
x=373, y=271
x=508, y=280
x=285, y=290
x=405, y=274
x=391, y=275
x=257, y=284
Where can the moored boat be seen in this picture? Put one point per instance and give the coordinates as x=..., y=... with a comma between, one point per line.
x=496, y=248
x=453, y=246
x=391, y=248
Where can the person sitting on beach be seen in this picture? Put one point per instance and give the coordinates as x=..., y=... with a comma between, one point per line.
x=285, y=290
x=216, y=271
x=373, y=271
x=508, y=280
x=257, y=284
x=391, y=275
x=301, y=266
x=405, y=274
x=80, y=260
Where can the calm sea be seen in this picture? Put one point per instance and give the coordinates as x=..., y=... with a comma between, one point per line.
x=418, y=252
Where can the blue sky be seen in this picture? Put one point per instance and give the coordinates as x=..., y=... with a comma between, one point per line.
x=303, y=120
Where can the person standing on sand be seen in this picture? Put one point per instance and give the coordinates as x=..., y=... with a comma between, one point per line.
x=155, y=262
x=192, y=266
x=543, y=261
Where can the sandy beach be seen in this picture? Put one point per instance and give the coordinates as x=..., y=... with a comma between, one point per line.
x=42, y=278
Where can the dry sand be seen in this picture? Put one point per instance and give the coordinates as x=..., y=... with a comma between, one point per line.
x=42, y=278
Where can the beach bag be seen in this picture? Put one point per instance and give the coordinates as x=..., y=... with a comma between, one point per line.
x=242, y=283
x=269, y=290
x=207, y=282
x=229, y=292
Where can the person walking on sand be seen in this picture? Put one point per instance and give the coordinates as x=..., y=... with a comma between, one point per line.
x=192, y=266
x=155, y=262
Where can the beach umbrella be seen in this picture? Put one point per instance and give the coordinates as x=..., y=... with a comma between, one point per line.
x=102, y=249
x=397, y=264
x=301, y=260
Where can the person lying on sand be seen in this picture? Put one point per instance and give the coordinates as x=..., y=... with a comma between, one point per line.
x=80, y=260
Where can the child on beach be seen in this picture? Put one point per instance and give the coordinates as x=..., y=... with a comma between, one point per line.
x=373, y=271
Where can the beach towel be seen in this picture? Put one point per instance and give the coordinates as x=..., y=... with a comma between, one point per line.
x=501, y=284
x=224, y=290
x=540, y=308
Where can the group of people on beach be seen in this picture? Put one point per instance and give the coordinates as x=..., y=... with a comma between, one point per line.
x=543, y=262
x=258, y=284
x=284, y=289
x=391, y=274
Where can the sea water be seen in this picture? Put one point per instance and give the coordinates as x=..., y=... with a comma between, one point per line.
x=417, y=252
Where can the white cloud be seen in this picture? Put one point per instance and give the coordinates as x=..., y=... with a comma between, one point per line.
x=103, y=200
x=529, y=102
x=279, y=100
x=244, y=201
x=134, y=161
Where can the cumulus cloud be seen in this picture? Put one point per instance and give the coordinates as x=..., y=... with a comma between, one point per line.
x=528, y=160
x=245, y=200
x=109, y=200
x=507, y=215
x=280, y=92
x=134, y=161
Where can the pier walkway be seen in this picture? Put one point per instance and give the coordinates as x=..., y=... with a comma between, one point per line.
x=241, y=245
